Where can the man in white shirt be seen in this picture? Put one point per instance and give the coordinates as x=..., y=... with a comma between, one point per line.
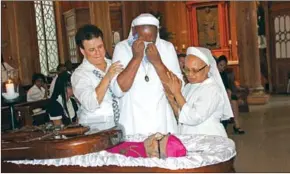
x=90, y=81
x=143, y=103
x=203, y=102
x=39, y=89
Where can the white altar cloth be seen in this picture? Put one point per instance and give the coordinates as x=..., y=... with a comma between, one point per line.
x=202, y=150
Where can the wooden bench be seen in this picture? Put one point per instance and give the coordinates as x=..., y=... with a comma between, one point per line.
x=24, y=114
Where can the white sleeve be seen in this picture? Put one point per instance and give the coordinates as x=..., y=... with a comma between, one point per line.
x=202, y=109
x=173, y=65
x=84, y=91
x=120, y=54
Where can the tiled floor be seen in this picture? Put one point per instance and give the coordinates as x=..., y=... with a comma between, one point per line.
x=266, y=145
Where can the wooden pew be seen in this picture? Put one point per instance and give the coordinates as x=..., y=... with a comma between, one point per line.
x=24, y=114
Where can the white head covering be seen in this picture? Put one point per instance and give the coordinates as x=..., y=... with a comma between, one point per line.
x=205, y=55
x=145, y=19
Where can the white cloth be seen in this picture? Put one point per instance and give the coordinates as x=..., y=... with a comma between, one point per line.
x=202, y=150
x=52, y=84
x=205, y=55
x=35, y=94
x=202, y=112
x=4, y=71
x=145, y=108
x=92, y=113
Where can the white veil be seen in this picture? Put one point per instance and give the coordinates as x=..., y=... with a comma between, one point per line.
x=205, y=55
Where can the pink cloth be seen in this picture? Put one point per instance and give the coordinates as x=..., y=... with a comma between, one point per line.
x=175, y=147
x=132, y=149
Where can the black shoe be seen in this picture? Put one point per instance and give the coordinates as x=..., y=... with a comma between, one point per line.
x=238, y=130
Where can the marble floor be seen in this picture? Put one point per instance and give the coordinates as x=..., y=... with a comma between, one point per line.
x=266, y=145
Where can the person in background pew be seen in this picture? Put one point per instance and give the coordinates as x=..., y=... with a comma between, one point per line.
x=60, y=68
x=62, y=108
x=39, y=89
x=231, y=91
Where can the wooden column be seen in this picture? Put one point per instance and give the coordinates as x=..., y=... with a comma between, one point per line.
x=61, y=32
x=22, y=49
x=248, y=51
x=100, y=16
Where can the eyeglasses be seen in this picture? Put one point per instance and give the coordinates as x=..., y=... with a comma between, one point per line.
x=187, y=71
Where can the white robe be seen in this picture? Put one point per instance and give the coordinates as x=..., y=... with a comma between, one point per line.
x=92, y=113
x=203, y=110
x=145, y=108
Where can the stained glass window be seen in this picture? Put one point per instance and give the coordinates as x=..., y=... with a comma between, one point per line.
x=46, y=36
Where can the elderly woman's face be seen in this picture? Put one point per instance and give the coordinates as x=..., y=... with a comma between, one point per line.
x=195, y=69
x=146, y=32
x=155, y=145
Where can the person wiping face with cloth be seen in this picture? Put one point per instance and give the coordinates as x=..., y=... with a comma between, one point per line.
x=147, y=58
x=203, y=102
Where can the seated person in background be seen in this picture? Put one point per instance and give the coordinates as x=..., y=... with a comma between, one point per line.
x=181, y=60
x=62, y=107
x=222, y=64
x=203, y=102
x=90, y=81
x=60, y=68
x=156, y=145
x=39, y=89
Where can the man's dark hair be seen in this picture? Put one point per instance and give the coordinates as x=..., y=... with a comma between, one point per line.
x=222, y=58
x=59, y=66
x=87, y=32
x=37, y=76
x=181, y=55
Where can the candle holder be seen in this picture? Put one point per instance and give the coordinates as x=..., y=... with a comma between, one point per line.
x=11, y=86
x=11, y=90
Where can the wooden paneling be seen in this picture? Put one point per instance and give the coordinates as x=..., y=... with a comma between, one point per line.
x=68, y=5
x=100, y=16
x=177, y=21
x=22, y=49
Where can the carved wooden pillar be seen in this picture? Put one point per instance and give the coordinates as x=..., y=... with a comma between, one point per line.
x=100, y=16
x=22, y=49
x=248, y=52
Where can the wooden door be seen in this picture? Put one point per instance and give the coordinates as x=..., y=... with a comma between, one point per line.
x=280, y=45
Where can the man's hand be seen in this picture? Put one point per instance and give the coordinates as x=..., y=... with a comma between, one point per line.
x=138, y=49
x=153, y=54
x=114, y=69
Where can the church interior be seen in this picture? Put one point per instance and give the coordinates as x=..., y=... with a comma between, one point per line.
x=254, y=36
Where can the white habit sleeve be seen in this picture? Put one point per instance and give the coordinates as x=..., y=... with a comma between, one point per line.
x=120, y=54
x=202, y=109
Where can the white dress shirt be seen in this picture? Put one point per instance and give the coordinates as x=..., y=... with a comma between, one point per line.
x=144, y=108
x=92, y=113
x=203, y=110
x=35, y=94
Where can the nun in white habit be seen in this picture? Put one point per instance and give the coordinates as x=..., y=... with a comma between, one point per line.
x=203, y=102
x=144, y=107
